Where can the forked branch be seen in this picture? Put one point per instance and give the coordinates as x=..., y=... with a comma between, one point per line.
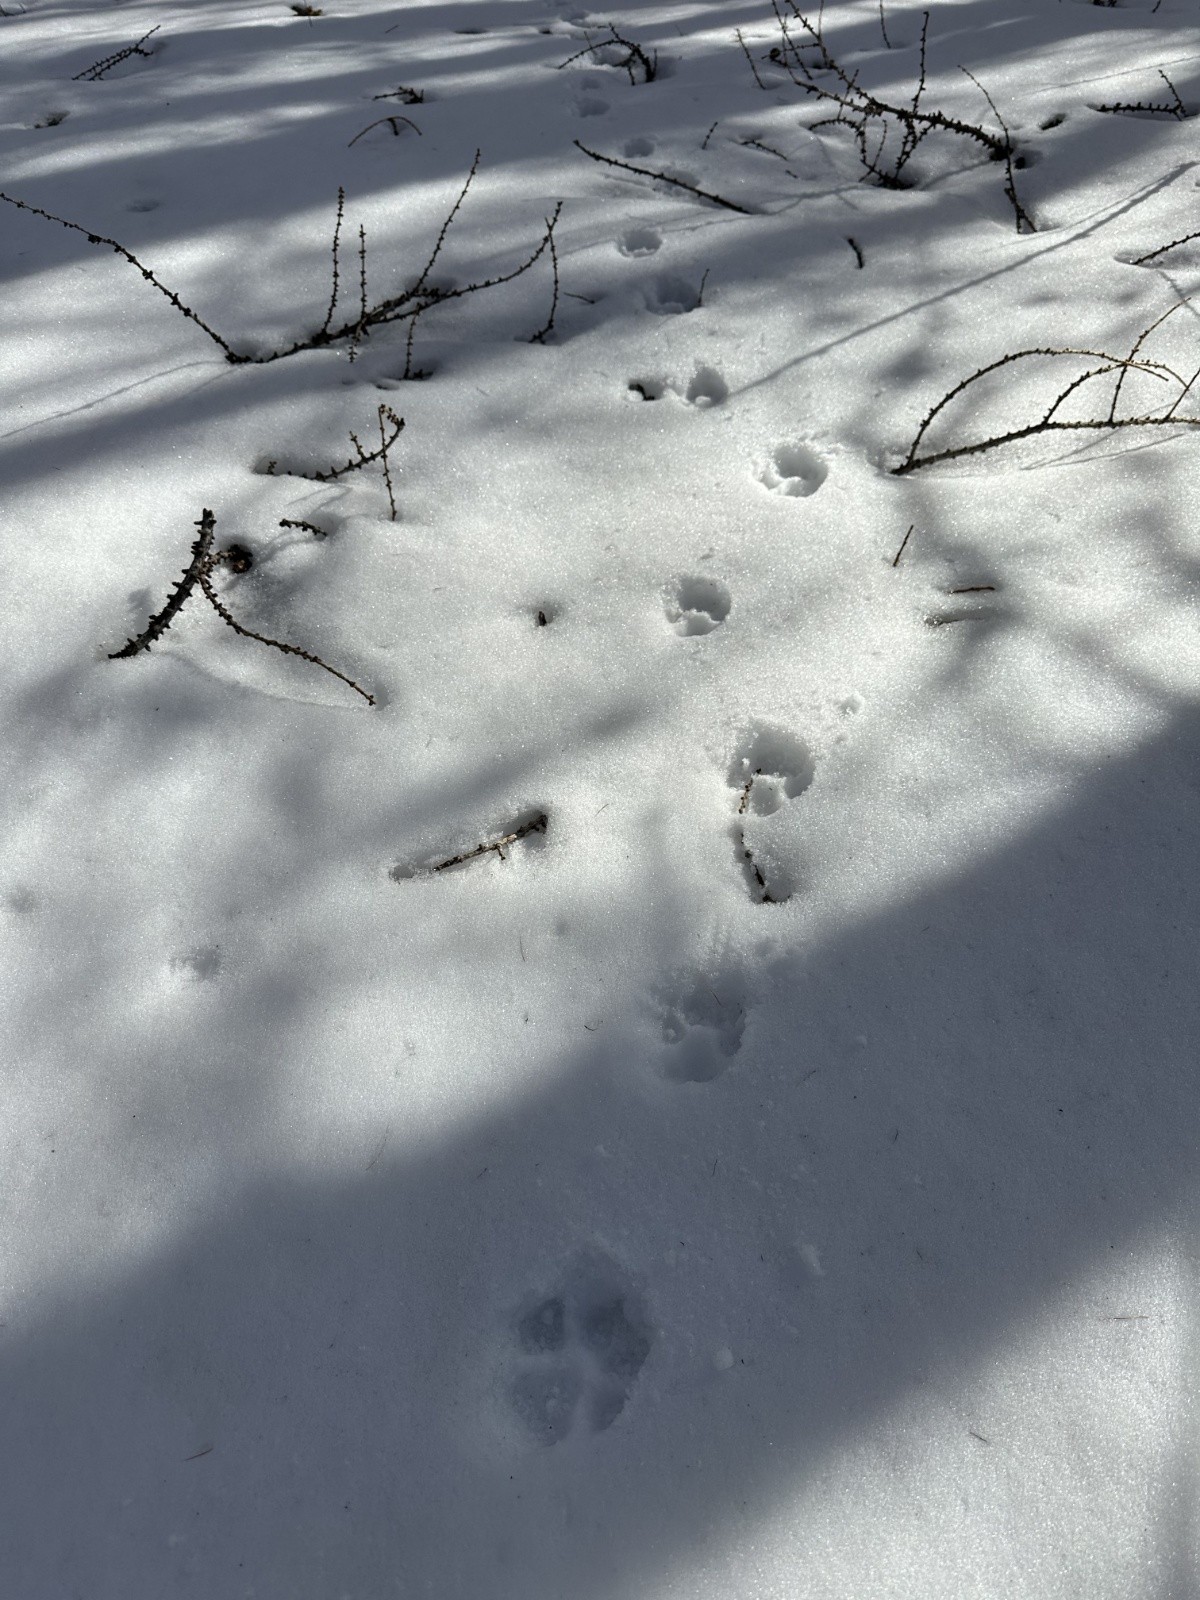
x=1100, y=364
x=198, y=574
x=409, y=304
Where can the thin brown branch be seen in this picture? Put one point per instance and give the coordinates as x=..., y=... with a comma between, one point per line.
x=536, y=824
x=903, y=545
x=544, y=333
x=393, y=121
x=1140, y=261
x=210, y=594
x=661, y=177
x=96, y=71
x=161, y=620
x=749, y=58
x=97, y=238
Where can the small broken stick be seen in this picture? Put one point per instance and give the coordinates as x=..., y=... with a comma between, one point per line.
x=768, y=899
x=537, y=824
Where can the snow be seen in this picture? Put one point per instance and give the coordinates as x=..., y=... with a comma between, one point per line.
x=765, y=1163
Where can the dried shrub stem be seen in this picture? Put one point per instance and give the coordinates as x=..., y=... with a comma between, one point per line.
x=97, y=70
x=661, y=177
x=199, y=572
x=406, y=306
x=1101, y=364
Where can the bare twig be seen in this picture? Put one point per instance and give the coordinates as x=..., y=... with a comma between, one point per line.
x=1153, y=108
x=96, y=71
x=678, y=183
x=636, y=59
x=406, y=306
x=886, y=135
x=749, y=58
x=210, y=594
x=127, y=255
x=199, y=574
x=337, y=236
x=385, y=444
x=161, y=620
x=1025, y=223
x=308, y=527
x=1051, y=421
x=1140, y=261
x=544, y=333
x=405, y=95
x=536, y=824
x=903, y=546
x=361, y=458
x=857, y=248
x=393, y=122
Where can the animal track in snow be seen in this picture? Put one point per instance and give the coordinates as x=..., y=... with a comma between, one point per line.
x=706, y=388
x=638, y=147
x=794, y=469
x=579, y=1349
x=588, y=103
x=672, y=295
x=639, y=242
x=770, y=768
x=697, y=606
x=647, y=388
x=143, y=205
x=51, y=119
x=703, y=1028
x=201, y=965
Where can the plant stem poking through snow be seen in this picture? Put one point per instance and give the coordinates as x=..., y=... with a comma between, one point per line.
x=96, y=71
x=749, y=58
x=544, y=333
x=903, y=545
x=393, y=122
x=1140, y=261
x=199, y=572
x=161, y=621
x=361, y=458
x=661, y=177
x=636, y=60
x=1051, y=421
x=308, y=527
x=405, y=306
x=1150, y=108
x=875, y=123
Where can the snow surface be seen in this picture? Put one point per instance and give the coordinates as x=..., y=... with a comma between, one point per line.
x=576, y=1223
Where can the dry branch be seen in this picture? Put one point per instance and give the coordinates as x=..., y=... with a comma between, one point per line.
x=887, y=135
x=636, y=60
x=96, y=71
x=1100, y=364
x=678, y=183
x=537, y=824
x=199, y=572
x=406, y=306
x=361, y=458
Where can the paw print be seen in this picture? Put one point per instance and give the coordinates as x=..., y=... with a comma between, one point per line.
x=579, y=1350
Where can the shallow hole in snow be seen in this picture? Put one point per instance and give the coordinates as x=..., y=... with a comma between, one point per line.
x=795, y=470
